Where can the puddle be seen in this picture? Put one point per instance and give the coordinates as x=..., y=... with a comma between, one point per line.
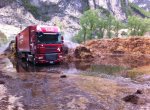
x=69, y=68
x=112, y=65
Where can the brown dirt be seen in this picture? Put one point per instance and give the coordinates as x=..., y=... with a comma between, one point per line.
x=119, y=46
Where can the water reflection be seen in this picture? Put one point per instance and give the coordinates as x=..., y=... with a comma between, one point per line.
x=109, y=65
x=23, y=66
x=69, y=68
x=107, y=69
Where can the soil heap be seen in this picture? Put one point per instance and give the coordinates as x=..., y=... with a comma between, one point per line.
x=137, y=46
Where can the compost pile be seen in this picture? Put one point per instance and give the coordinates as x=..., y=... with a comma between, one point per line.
x=136, y=46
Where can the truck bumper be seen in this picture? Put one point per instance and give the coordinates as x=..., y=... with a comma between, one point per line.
x=49, y=58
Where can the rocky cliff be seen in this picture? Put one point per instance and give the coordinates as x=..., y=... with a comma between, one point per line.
x=65, y=13
x=145, y=4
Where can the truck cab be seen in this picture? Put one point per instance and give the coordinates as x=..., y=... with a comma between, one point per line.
x=41, y=44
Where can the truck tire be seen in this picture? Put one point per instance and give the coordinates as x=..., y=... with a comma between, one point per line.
x=33, y=60
x=27, y=58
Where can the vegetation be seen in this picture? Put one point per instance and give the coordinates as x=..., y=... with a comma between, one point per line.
x=34, y=10
x=139, y=10
x=3, y=38
x=31, y=8
x=138, y=26
x=124, y=6
x=94, y=26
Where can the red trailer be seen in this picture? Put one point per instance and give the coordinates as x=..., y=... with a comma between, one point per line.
x=40, y=44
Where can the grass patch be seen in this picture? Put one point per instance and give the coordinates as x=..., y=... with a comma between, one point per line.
x=139, y=71
x=107, y=69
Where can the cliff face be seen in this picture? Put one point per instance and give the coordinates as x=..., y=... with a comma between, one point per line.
x=74, y=8
x=66, y=13
x=113, y=6
x=145, y=4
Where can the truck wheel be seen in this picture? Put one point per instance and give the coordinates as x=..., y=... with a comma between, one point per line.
x=27, y=58
x=33, y=60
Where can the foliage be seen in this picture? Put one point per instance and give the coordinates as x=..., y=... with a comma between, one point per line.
x=45, y=18
x=104, y=11
x=3, y=38
x=101, y=26
x=138, y=26
x=88, y=23
x=117, y=25
x=79, y=37
x=31, y=8
x=124, y=6
x=109, y=25
x=35, y=11
x=140, y=10
x=93, y=25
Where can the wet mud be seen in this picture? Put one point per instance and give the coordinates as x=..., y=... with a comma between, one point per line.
x=77, y=85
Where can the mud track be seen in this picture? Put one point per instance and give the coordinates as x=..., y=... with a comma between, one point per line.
x=86, y=87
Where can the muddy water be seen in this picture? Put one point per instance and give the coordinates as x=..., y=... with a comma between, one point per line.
x=108, y=65
x=88, y=86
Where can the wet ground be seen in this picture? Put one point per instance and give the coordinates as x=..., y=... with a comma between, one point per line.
x=97, y=85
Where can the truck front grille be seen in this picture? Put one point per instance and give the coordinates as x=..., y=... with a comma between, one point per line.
x=52, y=57
x=50, y=49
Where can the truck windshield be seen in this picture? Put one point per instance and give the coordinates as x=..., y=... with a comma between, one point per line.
x=48, y=38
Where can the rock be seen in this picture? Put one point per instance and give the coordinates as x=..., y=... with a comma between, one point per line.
x=2, y=82
x=139, y=92
x=134, y=99
x=63, y=76
x=131, y=98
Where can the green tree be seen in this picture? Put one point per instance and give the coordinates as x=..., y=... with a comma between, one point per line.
x=101, y=27
x=109, y=25
x=88, y=23
x=138, y=26
x=117, y=25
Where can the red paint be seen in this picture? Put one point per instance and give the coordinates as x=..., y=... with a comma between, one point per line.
x=27, y=44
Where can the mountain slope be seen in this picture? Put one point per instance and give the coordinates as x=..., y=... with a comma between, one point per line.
x=65, y=13
x=145, y=4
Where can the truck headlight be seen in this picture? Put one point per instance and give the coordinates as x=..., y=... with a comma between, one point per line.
x=40, y=58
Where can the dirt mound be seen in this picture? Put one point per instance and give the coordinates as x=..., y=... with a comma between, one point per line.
x=83, y=52
x=119, y=46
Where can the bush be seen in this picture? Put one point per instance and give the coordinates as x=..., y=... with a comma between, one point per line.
x=138, y=26
x=3, y=38
x=93, y=25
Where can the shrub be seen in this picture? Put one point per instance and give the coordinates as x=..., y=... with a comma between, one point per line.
x=31, y=8
x=3, y=38
x=138, y=26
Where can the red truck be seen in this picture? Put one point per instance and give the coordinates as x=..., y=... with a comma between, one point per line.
x=40, y=44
